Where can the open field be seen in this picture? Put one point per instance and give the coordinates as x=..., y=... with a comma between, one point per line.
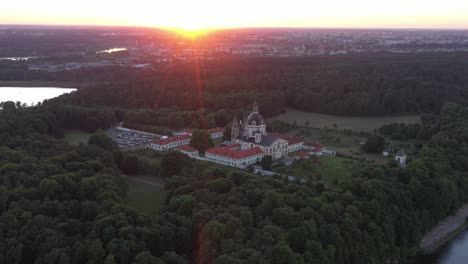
x=342, y=122
x=329, y=169
x=75, y=137
x=145, y=194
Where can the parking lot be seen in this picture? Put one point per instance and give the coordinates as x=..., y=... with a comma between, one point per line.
x=128, y=139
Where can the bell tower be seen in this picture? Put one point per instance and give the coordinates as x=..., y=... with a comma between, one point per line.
x=255, y=107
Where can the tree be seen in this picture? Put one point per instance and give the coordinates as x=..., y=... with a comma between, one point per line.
x=173, y=258
x=96, y=252
x=145, y=257
x=102, y=140
x=222, y=117
x=201, y=140
x=266, y=162
x=227, y=132
x=130, y=164
x=173, y=163
x=282, y=254
x=374, y=144
x=4, y=198
x=8, y=106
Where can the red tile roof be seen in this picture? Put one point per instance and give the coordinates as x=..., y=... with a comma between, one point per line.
x=228, y=152
x=187, y=148
x=320, y=146
x=292, y=140
x=165, y=141
x=316, y=150
x=216, y=130
x=302, y=154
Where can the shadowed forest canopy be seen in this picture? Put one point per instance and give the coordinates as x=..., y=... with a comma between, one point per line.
x=362, y=84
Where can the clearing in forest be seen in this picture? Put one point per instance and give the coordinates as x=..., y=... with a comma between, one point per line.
x=75, y=137
x=342, y=122
x=145, y=194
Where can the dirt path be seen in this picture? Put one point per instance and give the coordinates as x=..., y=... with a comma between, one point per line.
x=432, y=240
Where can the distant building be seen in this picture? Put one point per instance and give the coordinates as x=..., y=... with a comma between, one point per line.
x=216, y=132
x=400, y=158
x=318, y=149
x=234, y=156
x=302, y=155
x=182, y=138
x=188, y=150
x=165, y=144
x=294, y=143
x=326, y=151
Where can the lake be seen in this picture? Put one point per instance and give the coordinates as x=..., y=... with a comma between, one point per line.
x=17, y=58
x=454, y=252
x=112, y=50
x=31, y=96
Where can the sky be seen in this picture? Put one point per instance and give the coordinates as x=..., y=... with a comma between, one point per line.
x=199, y=14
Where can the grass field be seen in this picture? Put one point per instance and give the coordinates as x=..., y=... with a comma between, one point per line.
x=342, y=122
x=75, y=137
x=144, y=196
x=331, y=168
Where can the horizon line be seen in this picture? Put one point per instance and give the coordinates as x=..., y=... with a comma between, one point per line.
x=166, y=28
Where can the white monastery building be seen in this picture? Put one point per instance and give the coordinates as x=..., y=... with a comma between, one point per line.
x=249, y=143
x=234, y=156
x=216, y=132
x=188, y=150
x=165, y=144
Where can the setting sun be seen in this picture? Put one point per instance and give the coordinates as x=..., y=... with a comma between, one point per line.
x=190, y=32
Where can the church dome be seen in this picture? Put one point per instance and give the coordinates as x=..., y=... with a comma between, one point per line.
x=255, y=119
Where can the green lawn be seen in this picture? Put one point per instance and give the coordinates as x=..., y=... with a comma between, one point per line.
x=143, y=197
x=330, y=168
x=75, y=137
x=342, y=122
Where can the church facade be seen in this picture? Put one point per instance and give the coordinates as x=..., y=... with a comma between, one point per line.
x=251, y=132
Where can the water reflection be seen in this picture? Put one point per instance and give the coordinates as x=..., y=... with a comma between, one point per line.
x=17, y=58
x=455, y=252
x=112, y=50
x=31, y=96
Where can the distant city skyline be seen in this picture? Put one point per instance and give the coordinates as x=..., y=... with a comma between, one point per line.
x=201, y=14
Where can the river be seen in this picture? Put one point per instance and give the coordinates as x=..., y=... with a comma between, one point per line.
x=31, y=96
x=454, y=252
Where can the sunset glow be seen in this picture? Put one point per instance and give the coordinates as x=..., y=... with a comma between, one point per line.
x=202, y=14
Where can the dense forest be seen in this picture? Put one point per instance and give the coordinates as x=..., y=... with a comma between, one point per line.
x=64, y=204
x=368, y=84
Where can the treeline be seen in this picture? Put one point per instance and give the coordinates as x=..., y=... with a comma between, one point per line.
x=364, y=84
x=420, y=131
x=177, y=119
x=161, y=121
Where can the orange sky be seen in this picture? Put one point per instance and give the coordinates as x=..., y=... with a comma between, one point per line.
x=196, y=14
